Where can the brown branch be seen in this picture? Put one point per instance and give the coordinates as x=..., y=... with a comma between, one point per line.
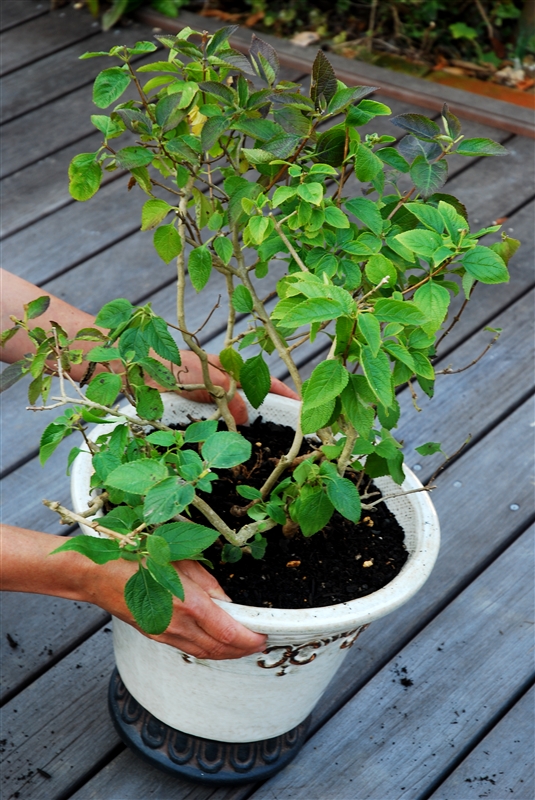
x=450, y=371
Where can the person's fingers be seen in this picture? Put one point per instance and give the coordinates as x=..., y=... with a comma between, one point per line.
x=197, y=573
x=278, y=387
x=238, y=409
x=202, y=627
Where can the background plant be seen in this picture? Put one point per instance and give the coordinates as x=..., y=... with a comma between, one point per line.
x=373, y=254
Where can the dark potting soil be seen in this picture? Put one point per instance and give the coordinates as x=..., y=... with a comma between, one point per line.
x=342, y=562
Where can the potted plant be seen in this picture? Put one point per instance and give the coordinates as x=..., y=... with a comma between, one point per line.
x=253, y=173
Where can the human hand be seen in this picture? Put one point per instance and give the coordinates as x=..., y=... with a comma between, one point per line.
x=198, y=627
x=191, y=372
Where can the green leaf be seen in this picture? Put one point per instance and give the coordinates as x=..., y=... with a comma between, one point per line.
x=330, y=146
x=344, y=496
x=282, y=194
x=255, y=380
x=451, y=123
x=312, y=510
x=138, y=476
x=377, y=371
x=403, y=311
x=422, y=366
x=163, y=376
x=109, y=86
x=187, y=539
x=230, y=554
x=226, y=449
x=336, y=218
x=200, y=431
x=150, y=604
x=378, y=268
x=199, y=267
x=427, y=215
x=324, y=83
x=166, y=499
x=98, y=550
x=429, y=448
x=428, y=177
x=506, y=248
x=158, y=549
x=315, y=309
x=433, y=299
x=343, y=97
x=231, y=361
x=264, y=58
x=420, y=126
x=312, y=419
x=114, y=313
x=212, y=129
x=36, y=307
x=422, y=242
x=52, y=435
x=158, y=337
x=367, y=164
x=390, y=156
x=104, y=388
x=400, y=353
x=219, y=90
x=367, y=212
x=85, y=176
x=311, y=193
x=242, y=299
x=11, y=374
x=149, y=403
x=371, y=330
x=223, y=248
x=167, y=242
x=132, y=157
x=364, y=112
x=249, y=492
x=154, y=212
x=480, y=147
x=166, y=575
x=162, y=438
x=328, y=380
x=485, y=265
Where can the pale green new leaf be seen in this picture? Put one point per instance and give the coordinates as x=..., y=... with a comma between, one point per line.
x=166, y=499
x=138, y=476
x=226, y=449
x=167, y=242
x=328, y=380
x=98, y=549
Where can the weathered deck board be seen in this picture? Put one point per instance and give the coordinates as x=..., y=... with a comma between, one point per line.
x=44, y=36
x=46, y=730
x=502, y=764
x=391, y=741
x=16, y=12
x=56, y=75
x=43, y=630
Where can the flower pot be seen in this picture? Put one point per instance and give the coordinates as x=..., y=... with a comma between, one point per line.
x=241, y=720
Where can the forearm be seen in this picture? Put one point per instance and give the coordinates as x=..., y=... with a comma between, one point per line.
x=15, y=292
x=26, y=565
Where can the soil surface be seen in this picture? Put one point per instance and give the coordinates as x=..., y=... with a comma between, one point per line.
x=339, y=563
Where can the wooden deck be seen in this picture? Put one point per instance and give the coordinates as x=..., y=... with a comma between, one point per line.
x=463, y=728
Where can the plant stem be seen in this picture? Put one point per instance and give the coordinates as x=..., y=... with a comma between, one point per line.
x=217, y=392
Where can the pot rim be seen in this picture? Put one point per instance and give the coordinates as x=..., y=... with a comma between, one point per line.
x=339, y=617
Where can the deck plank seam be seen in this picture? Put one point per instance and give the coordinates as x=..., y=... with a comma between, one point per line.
x=39, y=13
x=47, y=155
x=58, y=656
x=53, y=52
x=476, y=740
x=98, y=767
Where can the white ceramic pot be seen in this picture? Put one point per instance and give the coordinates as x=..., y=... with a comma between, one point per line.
x=264, y=695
